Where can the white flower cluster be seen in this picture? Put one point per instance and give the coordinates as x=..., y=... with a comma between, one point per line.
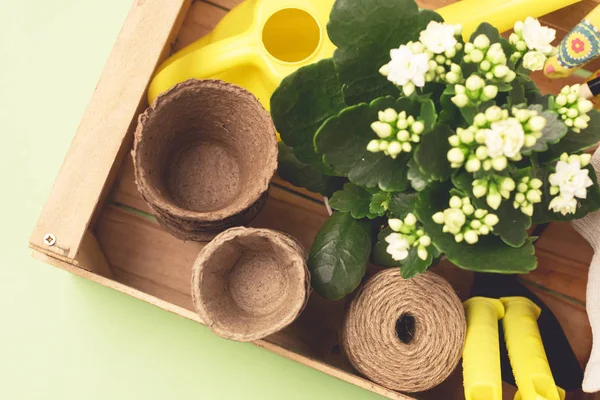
x=528, y=194
x=429, y=59
x=569, y=183
x=533, y=42
x=474, y=92
x=494, y=188
x=396, y=132
x=494, y=138
x=573, y=108
x=490, y=59
x=464, y=221
x=407, y=235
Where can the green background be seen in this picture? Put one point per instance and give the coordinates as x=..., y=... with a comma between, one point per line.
x=62, y=337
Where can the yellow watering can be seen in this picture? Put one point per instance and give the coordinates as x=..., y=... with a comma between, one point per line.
x=260, y=42
x=255, y=46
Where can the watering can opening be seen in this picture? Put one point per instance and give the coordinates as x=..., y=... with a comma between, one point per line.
x=291, y=35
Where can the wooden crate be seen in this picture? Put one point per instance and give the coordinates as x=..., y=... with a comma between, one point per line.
x=105, y=232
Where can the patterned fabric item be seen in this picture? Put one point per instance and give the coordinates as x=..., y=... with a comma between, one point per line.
x=581, y=45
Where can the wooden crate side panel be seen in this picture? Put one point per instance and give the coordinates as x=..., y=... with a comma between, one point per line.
x=111, y=112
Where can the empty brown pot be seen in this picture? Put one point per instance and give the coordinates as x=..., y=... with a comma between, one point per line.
x=250, y=283
x=204, y=155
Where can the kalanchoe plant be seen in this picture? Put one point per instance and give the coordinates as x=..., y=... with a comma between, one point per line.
x=430, y=146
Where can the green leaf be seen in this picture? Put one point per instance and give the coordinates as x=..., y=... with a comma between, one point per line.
x=516, y=96
x=542, y=213
x=428, y=114
x=554, y=131
x=431, y=154
x=490, y=254
x=532, y=92
x=305, y=175
x=513, y=225
x=418, y=180
x=411, y=266
x=358, y=202
x=339, y=255
x=364, y=32
x=302, y=103
x=574, y=142
x=379, y=204
x=343, y=142
x=402, y=204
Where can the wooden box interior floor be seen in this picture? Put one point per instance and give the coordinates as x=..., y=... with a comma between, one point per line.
x=144, y=257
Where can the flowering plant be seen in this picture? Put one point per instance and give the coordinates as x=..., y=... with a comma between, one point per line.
x=427, y=145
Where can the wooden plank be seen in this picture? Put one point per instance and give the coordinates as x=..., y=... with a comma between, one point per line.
x=91, y=255
x=105, y=124
x=200, y=21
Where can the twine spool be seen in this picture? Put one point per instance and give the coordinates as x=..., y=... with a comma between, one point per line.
x=406, y=335
x=204, y=155
x=250, y=283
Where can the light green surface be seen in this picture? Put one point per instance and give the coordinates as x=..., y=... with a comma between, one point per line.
x=62, y=337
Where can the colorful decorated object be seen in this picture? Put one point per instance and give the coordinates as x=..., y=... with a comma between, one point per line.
x=581, y=45
x=481, y=355
x=526, y=351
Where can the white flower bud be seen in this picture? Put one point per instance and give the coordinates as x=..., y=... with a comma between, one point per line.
x=460, y=89
x=480, y=120
x=530, y=140
x=403, y=135
x=521, y=45
x=534, y=196
x=481, y=42
x=500, y=71
x=452, y=77
x=487, y=165
x=493, y=114
x=438, y=218
x=527, y=209
x=406, y=147
x=554, y=190
x=572, y=113
x=471, y=237
x=410, y=220
x=508, y=184
x=484, y=230
x=499, y=163
x=520, y=198
x=415, y=138
x=585, y=106
x=408, y=89
x=523, y=187
x=394, y=148
x=473, y=165
x=537, y=123
x=572, y=98
x=490, y=92
x=390, y=115
x=469, y=47
x=418, y=127
x=479, y=191
x=451, y=52
x=382, y=129
x=455, y=202
x=537, y=183
x=425, y=241
x=510, y=76
x=468, y=209
x=454, y=141
x=491, y=220
x=481, y=152
x=580, y=123
x=518, y=28
x=373, y=146
x=575, y=89
x=385, y=70
x=410, y=119
x=561, y=100
x=460, y=100
x=480, y=213
x=466, y=136
x=485, y=65
x=459, y=237
x=476, y=56
x=476, y=224
x=569, y=122
x=383, y=145
x=422, y=253
x=456, y=156
x=585, y=159
x=513, y=38
x=395, y=224
x=474, y=83
x=494, y=199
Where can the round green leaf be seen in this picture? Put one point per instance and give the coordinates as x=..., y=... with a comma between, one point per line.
x=554, y=131
x=352, y=199
x=364, y=32
x=575, y=142
x=339, y=255
x=431, y=156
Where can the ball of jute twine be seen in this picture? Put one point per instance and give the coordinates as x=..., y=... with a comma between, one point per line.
x=424, y=354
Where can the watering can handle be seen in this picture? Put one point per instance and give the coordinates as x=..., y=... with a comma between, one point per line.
x=203, y=63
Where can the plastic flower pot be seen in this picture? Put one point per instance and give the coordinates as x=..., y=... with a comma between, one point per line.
x=204, y=155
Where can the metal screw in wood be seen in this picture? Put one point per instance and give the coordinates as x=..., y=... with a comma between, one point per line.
x=49, y=239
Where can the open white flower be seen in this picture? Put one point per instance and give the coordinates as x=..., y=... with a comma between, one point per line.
x=571, y=179
x=534, y=60
x=406, y=67
x=398, y=246
x=563, y=205
x=505, y=138
x=438, y=37
x=538, y=37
